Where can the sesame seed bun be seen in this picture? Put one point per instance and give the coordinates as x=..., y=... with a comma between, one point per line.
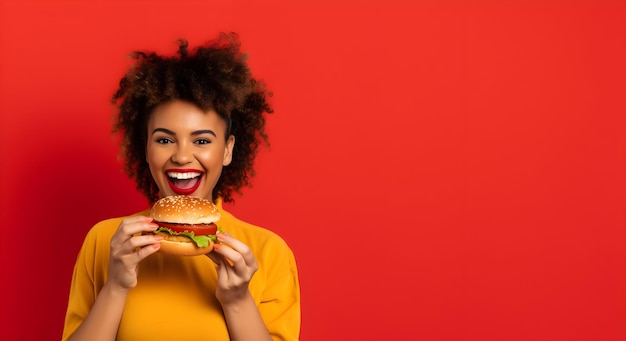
x=182, y=209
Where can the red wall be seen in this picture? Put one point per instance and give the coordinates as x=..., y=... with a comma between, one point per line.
x=442, y=170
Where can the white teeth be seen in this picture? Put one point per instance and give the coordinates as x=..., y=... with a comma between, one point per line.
x=182, y=176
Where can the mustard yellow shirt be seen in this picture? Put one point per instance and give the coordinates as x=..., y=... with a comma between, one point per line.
x=175, y=296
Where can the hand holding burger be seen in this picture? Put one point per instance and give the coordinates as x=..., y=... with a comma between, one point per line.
x=187, y=224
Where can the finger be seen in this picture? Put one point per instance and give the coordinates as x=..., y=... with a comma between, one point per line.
x=219, y=260
x=237, y=245
x=214, y=257
x=138, y=218
x=232, y=257
x=131, y=226
x=135, y=225
x=222, y=267
x=146, y=251
x=134, y=245
x=140, y=241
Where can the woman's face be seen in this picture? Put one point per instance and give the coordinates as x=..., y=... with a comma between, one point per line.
x=187, y=149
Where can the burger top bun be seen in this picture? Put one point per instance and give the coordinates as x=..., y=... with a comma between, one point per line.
x=183, y=209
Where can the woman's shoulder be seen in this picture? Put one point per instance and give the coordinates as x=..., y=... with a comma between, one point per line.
x=255, y=236
x=274, y=256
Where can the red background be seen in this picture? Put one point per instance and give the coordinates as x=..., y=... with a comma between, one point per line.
x=442, y=170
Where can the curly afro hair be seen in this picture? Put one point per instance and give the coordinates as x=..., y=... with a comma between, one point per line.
x=214, y=76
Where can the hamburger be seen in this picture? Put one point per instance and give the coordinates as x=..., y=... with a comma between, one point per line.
x=187, y=224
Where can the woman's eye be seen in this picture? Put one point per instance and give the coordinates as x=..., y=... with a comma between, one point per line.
x=163, y=140
x=203, y=141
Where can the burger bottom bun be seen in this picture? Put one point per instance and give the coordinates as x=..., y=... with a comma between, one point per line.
x=184, y=248
x=180, y=245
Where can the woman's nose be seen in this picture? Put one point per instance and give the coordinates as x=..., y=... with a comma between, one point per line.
x=183, y=154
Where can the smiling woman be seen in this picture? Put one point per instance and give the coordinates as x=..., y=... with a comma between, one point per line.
x=214, y=78
x=183, y=159
x=179, y=117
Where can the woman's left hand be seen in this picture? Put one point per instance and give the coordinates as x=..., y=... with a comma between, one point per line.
x=235, y=265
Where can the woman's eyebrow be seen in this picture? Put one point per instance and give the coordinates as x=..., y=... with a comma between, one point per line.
x=163, y=130
x=197, y=132
x=206, y=131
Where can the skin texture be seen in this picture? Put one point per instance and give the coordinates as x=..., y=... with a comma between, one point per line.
x=181, y=136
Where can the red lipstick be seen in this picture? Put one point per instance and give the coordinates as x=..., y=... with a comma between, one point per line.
x=184, y=181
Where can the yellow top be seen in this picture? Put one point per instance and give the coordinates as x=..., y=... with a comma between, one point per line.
x=175, y=296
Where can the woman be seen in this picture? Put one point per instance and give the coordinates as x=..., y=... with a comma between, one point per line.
x=191, y=124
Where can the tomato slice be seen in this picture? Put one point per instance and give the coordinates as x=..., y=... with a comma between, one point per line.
x=197, y=229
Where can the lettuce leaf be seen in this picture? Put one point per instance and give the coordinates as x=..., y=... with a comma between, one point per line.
x=201, y=241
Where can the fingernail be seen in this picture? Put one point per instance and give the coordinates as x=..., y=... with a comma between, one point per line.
x=216, y=246
x=158, y=238
x=220, y=236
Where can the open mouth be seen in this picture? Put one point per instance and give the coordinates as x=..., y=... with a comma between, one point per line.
x=184, y=183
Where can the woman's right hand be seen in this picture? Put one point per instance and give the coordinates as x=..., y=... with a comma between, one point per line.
x=128, y=248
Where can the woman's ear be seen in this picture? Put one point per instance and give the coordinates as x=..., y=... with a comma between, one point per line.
x=228, y=150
